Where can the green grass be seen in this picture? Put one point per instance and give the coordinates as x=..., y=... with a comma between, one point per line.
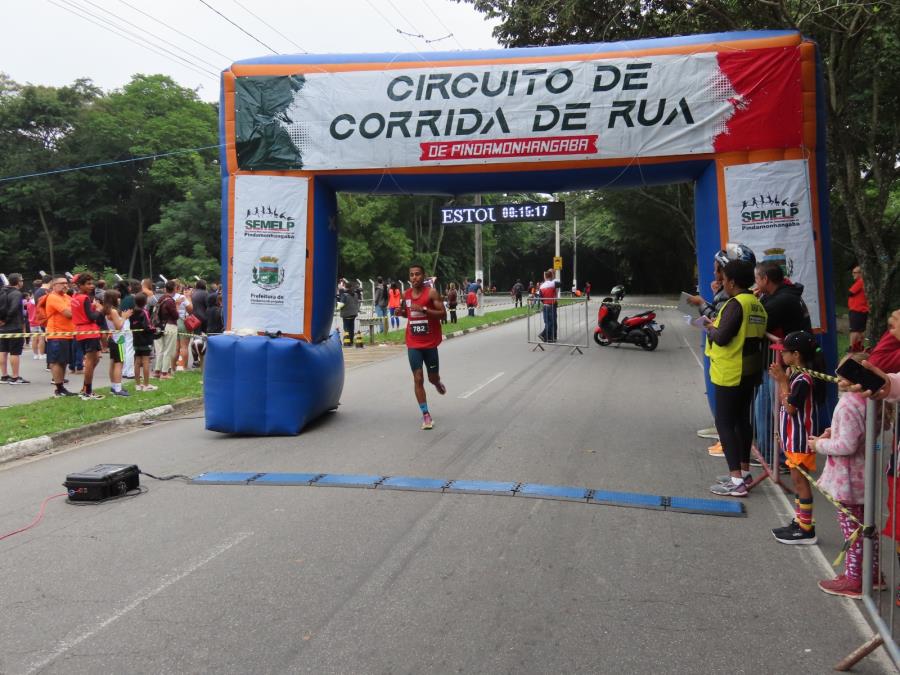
x=37, y=418
x=463, y=322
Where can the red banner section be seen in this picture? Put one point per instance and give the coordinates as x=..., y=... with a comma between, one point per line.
x=549, y=146
x=768, y=107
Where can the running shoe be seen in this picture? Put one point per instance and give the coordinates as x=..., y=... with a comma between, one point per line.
x=63, y=393
x=731, y=489
x=716, y=450
x=150, y=387
x=18, y=380
x=121, y=392
x=786, y=530
x=797, y=536
x=725, y=479
x=5, y=379
x=427, y=422
x=709, y=432
x=92, y=397
x=843, y=586
x=441, y=389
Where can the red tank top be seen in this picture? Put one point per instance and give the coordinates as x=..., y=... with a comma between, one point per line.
x=81, y=320
x=422, y=331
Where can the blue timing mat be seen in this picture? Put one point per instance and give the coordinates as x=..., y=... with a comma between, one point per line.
x=708, y=507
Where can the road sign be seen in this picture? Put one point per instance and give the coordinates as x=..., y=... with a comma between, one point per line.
x=557, y=262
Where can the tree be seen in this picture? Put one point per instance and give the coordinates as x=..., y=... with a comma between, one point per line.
x=150, y=115
x=187, y=237
x=35, y=123
x=858, y=42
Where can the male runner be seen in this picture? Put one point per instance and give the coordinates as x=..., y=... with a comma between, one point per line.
x=424, y=310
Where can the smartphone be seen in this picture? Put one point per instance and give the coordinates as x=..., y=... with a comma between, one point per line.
x=856, y=373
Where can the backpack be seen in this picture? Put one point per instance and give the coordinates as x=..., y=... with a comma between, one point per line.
x=4, y=304
x=157, y=322
x=40, y=311
x=472, y=299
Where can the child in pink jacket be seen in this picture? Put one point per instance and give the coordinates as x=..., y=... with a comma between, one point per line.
x=844, y=444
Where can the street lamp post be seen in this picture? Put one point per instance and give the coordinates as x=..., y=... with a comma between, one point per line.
x=575, y=252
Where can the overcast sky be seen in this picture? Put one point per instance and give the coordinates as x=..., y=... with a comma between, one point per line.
x=54, y=42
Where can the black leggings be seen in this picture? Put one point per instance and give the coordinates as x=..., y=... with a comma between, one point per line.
x=734, y=406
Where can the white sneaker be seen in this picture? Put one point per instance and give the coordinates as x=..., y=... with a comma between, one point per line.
x=179, y=369
x=709, y=432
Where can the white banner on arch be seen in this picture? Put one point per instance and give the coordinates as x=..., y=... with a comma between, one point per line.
x=769, y=209
x=268, y=268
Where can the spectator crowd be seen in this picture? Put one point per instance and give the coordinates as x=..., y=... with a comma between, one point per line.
x=146, y=331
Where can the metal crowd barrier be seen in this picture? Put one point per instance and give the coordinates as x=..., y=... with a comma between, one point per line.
x=882, y=456
x=767, y=444
x=882, y=484
x=562, y=322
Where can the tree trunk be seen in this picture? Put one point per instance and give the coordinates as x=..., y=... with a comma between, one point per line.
x=140, y=215
x=134, y=249
x=49, y=236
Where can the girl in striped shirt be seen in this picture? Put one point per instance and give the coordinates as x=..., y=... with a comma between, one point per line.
x=798, y=392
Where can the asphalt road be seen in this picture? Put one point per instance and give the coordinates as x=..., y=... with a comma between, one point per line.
x=240, y=579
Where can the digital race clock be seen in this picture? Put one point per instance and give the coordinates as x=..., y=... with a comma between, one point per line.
x=502, y=213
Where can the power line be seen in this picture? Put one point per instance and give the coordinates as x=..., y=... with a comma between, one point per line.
x=260, y=19
x=240, y=28
x=445, y=27
x=172, y=28
x=82, y=167
x=418, y=33
x=82, y=13
x=141, y=28
x=388, y=22
x=114, y=27
x=120, y=33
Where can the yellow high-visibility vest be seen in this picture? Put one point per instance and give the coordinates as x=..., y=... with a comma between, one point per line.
x=744, y=354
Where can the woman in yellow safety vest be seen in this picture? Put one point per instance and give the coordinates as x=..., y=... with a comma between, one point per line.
x=734, y=345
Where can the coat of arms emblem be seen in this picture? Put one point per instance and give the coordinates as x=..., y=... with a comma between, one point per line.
x=267, y=273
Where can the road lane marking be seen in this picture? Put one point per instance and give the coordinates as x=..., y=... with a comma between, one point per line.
x=168, y=580
x=480, y=386
x=696, y=358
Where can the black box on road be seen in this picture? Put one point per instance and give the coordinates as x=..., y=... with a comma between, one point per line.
x=102, y=482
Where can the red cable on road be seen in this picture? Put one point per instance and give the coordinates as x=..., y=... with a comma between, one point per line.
x=37, y=520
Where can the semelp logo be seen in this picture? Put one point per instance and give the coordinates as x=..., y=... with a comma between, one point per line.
x=268, y=222
x=765, y=211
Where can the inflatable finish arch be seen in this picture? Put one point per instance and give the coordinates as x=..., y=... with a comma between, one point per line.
x=739, y=114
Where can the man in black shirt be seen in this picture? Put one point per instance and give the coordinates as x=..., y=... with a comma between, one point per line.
x=11, y=322
x=787, y=313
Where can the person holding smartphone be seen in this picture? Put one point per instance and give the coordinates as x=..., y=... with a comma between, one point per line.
x=890, y=390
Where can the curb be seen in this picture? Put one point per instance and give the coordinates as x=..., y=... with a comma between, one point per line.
x=46, y=443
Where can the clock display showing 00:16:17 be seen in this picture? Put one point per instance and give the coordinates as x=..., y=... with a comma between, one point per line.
x=524, y=211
